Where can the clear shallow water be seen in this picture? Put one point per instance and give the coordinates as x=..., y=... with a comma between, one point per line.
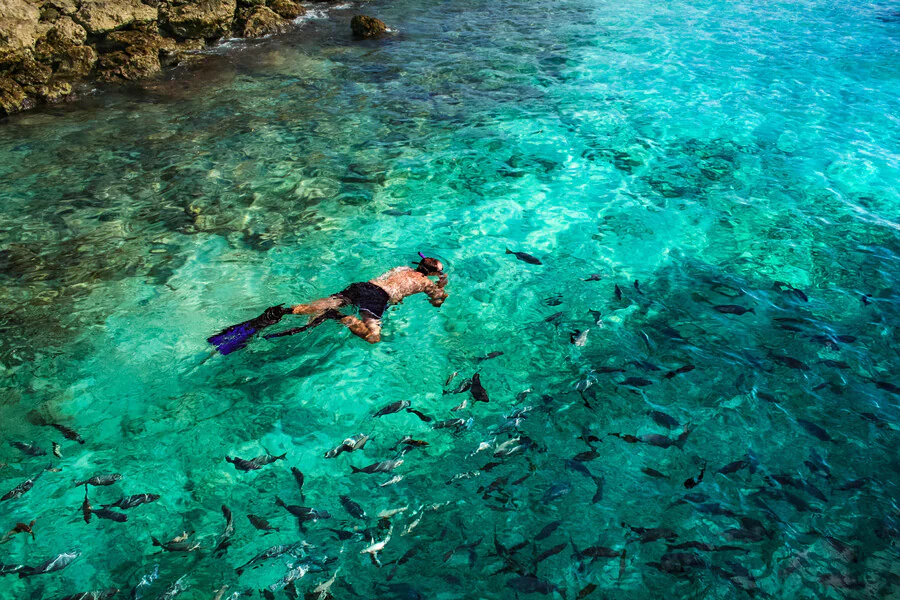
x=707, y=151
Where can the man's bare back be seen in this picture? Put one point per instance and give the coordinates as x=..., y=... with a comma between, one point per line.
x=373, y=296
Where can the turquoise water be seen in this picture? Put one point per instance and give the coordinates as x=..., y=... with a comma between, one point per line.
x=706, y=150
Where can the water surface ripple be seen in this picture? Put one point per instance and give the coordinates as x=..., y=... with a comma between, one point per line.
x=697, y=154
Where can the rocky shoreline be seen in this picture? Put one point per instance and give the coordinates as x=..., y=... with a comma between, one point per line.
x=48, y=46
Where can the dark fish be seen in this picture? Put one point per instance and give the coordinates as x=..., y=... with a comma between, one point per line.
x=182, y=543
x=299, y=478
x=409, y=442
x=604, y=370
x=493, y=354
x=626, y=437
x=599, y=481
x=653, y=473
x=680, y=371
x=836, y=364
x=547, y=530
x=86, y=508
x=458, y=424
x=464, y=386
x=225, y=538
x=556, y=491
x=10, y=569
x=356, y=442
x=392, y=408
x=57, y=563
x=304, y=513
x=637, y=285
x=554, y=317
x=856, y=484
x=101, y=595
x=660, y=441
x=586, y=455
x=379, y=467
x=29, y=449
x=549, y=552
x=636, y=382
x=478, y=392
x=693, y=482
x=578, y=467
x=132, y=501
x=618, y=292
x=733, y=309
x=652, y=534
x=766, y=396
x=105, y=513
x=396, y=212
x=20, y=489
x=531, y=584
x=866, y=299
x=531, y=260
x=814, y=430
x=422, y=417
x=355, y=510
x=734, y=467
x=888, y=387
x=261, y=524
x=69, y=434
x=586, y=591
x=663, y=420
x=789, y=361
x=100, y=480
x=679, y=563
x=593, y=277
x=595, y=552
x=552, y=301
x=273, y=552
x=255, y=463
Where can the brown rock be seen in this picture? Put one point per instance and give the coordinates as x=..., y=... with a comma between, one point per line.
x=206, y=19
x=287, y=8
x=62, y=49
x=132, y=63
x=365, y=27
x=101, y=16
x=12, y=97
x=49, y=14
x=53, y=92
x=30, y=72
x=20, y=28
x=66, y=7
x=260, y=21
x=182, y=52
x=68, y=31
x=250, y=3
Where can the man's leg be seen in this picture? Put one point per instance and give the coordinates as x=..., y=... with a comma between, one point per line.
x=369, y=328
x=317, y=307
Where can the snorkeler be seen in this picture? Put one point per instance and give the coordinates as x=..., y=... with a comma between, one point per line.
x=371, y=298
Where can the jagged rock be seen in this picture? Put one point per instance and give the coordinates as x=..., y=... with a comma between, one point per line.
x=287, y=8
x=53, y=92
x=260, y=21
x=68, y=31
x=101, y=16
x=20, y=28
x=135, y=54
x=204, y=19
x=181, y=52
x=49, y=14
x=62, y=49
x=365, y=27
x=12, y=97
x=250, y=3
x=30, y=72
x=66, y=7
x=132, y=63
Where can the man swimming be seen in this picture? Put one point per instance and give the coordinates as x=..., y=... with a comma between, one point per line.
x=371, y=298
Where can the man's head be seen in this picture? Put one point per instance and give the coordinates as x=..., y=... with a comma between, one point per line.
x=429, y=266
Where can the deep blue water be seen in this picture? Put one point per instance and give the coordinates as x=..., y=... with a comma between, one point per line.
x=695, y=154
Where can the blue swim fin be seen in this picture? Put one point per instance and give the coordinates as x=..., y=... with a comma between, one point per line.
x=237, y=336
